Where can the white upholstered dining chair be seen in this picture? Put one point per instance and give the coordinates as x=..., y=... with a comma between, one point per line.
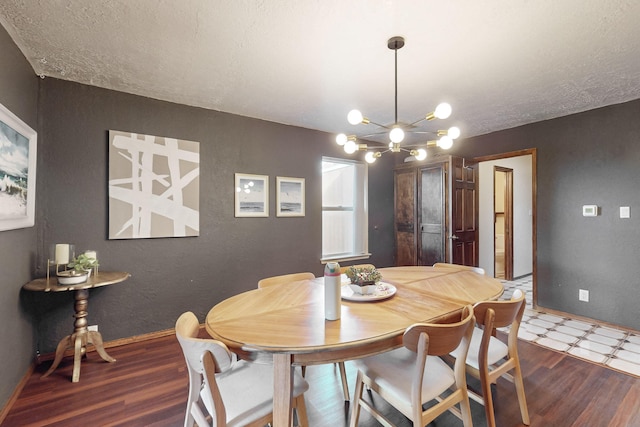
x=412, y=375
x=489, y=358
x=233, y=393
x=297, y=277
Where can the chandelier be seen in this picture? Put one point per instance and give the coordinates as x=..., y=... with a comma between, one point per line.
x=397, y=130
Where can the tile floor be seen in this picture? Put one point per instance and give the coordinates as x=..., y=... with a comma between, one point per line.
x=615, y=348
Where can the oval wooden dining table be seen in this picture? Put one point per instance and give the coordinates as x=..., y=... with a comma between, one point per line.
x=285, y=324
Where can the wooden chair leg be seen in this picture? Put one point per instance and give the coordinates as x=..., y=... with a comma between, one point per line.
x=465, y=411
x=355, y=406
x=301, y=411
x=522, y=400
x=345, y=385
x=488, y=401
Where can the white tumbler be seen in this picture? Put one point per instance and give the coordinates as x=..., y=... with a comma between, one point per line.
x=332, y=291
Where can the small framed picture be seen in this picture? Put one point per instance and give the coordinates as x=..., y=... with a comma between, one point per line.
x=290, y=196
x=252, y=195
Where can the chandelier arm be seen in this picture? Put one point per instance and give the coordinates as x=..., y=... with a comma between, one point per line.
x=371, y=134
x=383, y=144
x=378, y=124
x=417, y=121
x=426, y=144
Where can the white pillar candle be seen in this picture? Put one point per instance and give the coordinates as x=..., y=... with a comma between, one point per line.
x=62, y=253
x=91, y=254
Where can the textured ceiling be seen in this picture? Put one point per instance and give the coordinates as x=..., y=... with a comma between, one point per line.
x=499, y=63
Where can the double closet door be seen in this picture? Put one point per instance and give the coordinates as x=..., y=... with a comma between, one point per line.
x=436, y=211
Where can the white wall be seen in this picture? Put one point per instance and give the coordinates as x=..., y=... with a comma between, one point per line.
x=522, y=214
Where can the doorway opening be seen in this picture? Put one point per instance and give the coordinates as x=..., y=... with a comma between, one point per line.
x=503, y=222
x=523, y=236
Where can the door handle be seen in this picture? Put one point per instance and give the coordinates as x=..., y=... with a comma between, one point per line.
x=454, y=237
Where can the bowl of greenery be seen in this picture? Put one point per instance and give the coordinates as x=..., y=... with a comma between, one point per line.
x=363, y=280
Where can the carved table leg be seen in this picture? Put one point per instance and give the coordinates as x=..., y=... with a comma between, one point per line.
x=95, y=338
x=77, y=358
x=79, y=339
x=62, y=346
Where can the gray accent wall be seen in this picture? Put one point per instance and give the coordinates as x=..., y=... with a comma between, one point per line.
x=587, y=158
x=19, y=94
x=173, y=275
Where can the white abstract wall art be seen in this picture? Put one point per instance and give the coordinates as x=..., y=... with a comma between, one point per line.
x=17, y=172
x=154, y=186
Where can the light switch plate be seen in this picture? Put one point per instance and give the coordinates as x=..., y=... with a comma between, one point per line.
x=590, y=210
x=625, y=212
x=583, y=295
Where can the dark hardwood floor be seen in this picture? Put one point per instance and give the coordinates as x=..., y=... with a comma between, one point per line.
x=147, y=386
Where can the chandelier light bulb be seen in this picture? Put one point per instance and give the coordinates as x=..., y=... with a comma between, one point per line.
x=350, y=147
x=396, y=134
x=370, y=157
x=355, y=117
x=443, y=111
x=453, y=132
x=421, y=154
x=341, y=139
x=445, y=142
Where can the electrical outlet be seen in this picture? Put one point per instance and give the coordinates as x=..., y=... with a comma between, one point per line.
x=583, y=295
x=93, y=328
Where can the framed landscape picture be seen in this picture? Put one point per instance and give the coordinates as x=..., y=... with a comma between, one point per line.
x=290, y=196
x=17, y=172
x=252, y=195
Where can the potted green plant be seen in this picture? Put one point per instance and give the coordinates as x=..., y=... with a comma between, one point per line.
x=79, y=271
x=364, y=280
x=83, y=264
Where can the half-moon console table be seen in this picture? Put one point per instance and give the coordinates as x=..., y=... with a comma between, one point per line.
x=81, y=335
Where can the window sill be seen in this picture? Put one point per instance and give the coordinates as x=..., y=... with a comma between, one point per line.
x=345, y=258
